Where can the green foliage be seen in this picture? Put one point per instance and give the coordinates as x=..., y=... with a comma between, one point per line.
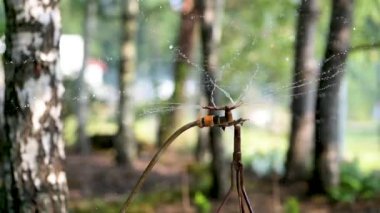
x=201, y=176
x=70, y=126
x=366, y=27
x=97, y=123
x=100, y=123
x=202, y=203
x=354, y=184
x=253, y=33
x=72, y=16
x=95, y=205
x=292, y=205
x=166, y=196
x=362, y=74
x=2, y=18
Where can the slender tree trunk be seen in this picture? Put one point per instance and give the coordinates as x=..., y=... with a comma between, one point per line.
x=201, y=150
x=125, y=142
x=2, y=135
x=181, y=68
x=211, y=35
x=298, y=160
x=377, y=106
x=83, y=142
x=326, y=159
x=34, y=150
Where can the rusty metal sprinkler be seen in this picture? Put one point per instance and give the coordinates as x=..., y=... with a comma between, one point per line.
x=237, y=179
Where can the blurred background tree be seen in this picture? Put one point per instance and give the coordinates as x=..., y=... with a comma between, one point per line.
x=211, y=13
x=89, y=25
x=298, y=160
x=181, y=67
x=327, y=140
x=125, y=142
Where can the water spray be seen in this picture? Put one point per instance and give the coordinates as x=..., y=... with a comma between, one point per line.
x=237, y=180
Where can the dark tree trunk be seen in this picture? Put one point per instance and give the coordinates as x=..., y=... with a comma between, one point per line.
x=2, y=134
x=210, y=35
x=34, y=178
x=125, y=142
x=326, y=159
x=201, y=149
x=181, y=67
x=298, y=160
x=83, y=142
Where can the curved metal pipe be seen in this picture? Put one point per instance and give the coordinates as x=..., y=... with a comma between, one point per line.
x=154, y=160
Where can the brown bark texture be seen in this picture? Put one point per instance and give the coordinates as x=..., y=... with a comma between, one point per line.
x=211, y=10
x=326, y=158
x=298, y=159
x=125, y=142
x=182, y=52
x=34, y=177
x=83, y=142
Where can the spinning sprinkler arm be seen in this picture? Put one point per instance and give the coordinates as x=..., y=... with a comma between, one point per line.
x=206, y=121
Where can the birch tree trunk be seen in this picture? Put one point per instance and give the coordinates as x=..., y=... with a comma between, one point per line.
x=298, y=160
x=125, y=141
x=211, y=10
x=326, y=159
x=34, y=150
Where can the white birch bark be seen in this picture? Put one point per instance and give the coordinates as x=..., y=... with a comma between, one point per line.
x=34, y=149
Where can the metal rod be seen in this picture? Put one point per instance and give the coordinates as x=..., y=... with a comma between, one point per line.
x=243, y=197
x=247, y=201
x=154, y=161
x=237, y=178
x=232, y=187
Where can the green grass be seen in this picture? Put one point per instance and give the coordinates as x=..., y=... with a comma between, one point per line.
x=361, y=141
x=95, y=205
x=363, y=144
x=99, y=122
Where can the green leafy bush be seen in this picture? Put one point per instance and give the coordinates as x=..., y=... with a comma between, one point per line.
x=354, y=184
x=292, y=205
x=201, y=179
x=202, y=203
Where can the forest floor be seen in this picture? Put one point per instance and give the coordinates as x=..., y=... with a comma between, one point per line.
x=97, y=185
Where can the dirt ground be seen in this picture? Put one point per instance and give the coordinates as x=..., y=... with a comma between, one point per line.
x=96, y=176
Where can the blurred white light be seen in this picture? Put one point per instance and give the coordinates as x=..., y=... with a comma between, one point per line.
x=176, y=5
x=261, y=117
x=165, y=89
x=71, y=54
x=191, y=87
x=2, y=45
x=93, y=75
